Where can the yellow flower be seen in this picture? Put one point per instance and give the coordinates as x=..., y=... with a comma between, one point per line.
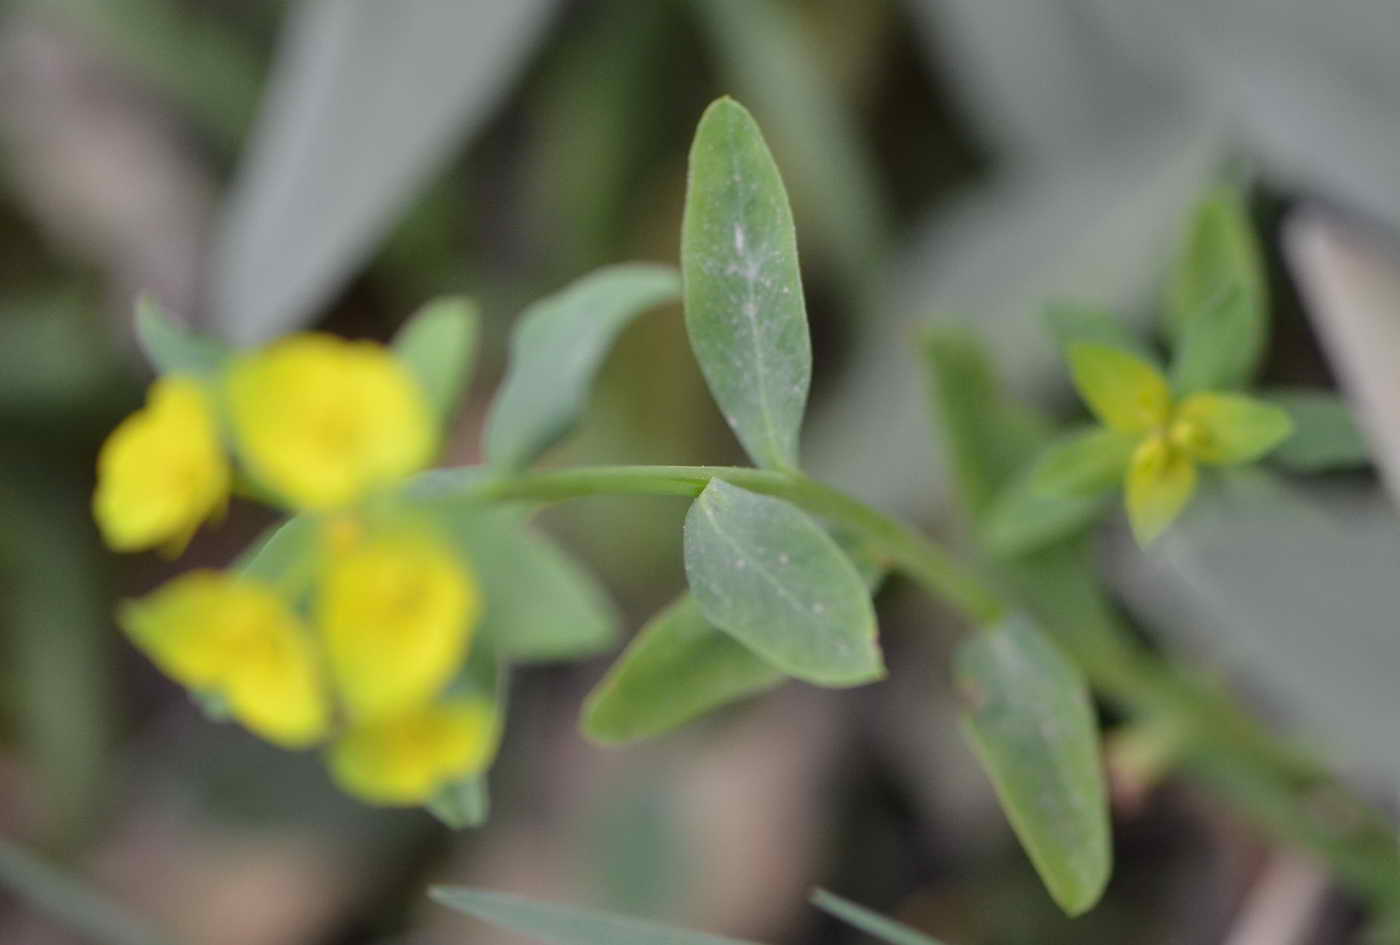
x=221, y=633
x=397, y=614
x=323, y=421
x=1163, y=440
x=162, y=471
x=406, y=759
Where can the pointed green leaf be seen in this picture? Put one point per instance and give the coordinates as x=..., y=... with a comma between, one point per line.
x=763, y=571
x=1030, y=720
x=1083, y=462
x=462, y=804
x=985, y=431
x=1025, y=518
x=565, y=925
x=871, y=923
x=1217, y=302
x=1325, y=435
x=679, y=667
x=1124, y=390
x=743, y=290
x=542, y=605
x=558, y=346
x=1228, y=429
x=284, y=554
x=438, y=344
x=174, y=349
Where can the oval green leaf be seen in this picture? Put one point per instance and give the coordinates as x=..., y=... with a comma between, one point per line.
x=766, y=573
x=1031, y=723
x=678, y=667
x=174, y=349
x=1217, y=301
x=744, y=308
x=558, y=346
x=1083, y=462
x=565, y=925
x=438, y=345
x=1325, y=435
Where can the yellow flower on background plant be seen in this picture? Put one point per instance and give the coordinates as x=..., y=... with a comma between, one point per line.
x=323, y=421
x=406, y=759
x=397, y=613
x=1150, y=442
x=162, y=472
x=220, y=633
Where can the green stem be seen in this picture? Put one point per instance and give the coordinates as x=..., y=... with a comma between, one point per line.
x=1274, y=785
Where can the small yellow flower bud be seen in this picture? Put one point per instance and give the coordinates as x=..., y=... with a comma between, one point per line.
x=1189, y=437
x=406, y=759
x=162, y=471
x=397, y=614
x=323, y=421
x=218, y=632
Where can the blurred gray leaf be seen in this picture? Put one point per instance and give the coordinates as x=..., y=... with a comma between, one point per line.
x=368, y=99
x=1351, y=283
x=1296, y=592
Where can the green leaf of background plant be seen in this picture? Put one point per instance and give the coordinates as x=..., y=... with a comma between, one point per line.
x=283, y=554
x=871, y=923
x=1217, y=301
x=986, y=433
x=1325, y=435
x=678, y=667
x=1025, y=518
x=541, y=605
x=174, y=349
x=565, y=925
x=365, y=102
x=462, y=804
x=744, y=307
x=1083, y=462
x=763, y=571
x=1072, y=324
x=1031, y=722
x=438, y=344
x=558, y=345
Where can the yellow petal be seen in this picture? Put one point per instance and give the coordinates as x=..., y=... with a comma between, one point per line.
x=1229, y=428
x=397, y=614
x=1160, y=483
x=406, y=759
x=162, y=471
x=323, y=421
x=218, y=632
x=1125, y=392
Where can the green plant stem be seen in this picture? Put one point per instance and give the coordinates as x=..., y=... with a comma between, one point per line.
x=68, y=900
x=1277, y=787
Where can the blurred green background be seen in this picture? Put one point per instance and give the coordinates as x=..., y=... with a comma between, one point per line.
x=261, y=166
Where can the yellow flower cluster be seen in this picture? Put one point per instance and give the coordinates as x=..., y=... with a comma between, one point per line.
x=362, y=649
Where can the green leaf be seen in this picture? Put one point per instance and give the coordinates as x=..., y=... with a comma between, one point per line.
x=1229, y=429
x=174, y=349
x=986, y=432
x=1031, y=723
x=366, y=101
x=763, y=571
x=438, y=344
x=1124, y=390
x=743, y=290
x=462, y=804
x=1217, y=301
x=1083, y=462
x=284, y=554
x=871, y=923
x=542, y=606
x=565, y=925
x=1325, y=436
x=679, y=667
x=558, y=346
x=1026, y=518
